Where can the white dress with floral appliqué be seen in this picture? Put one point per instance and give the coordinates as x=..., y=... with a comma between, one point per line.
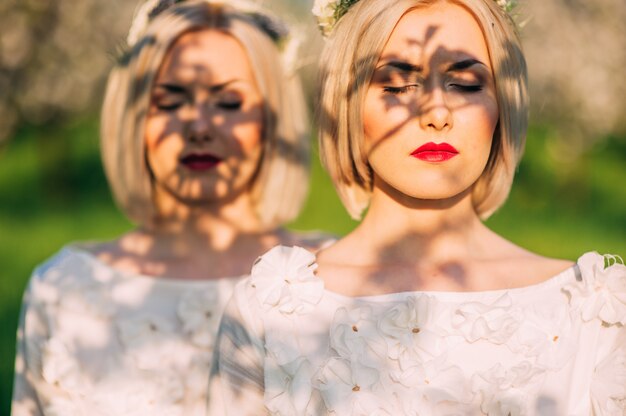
x=289, y=347
x=94, y=341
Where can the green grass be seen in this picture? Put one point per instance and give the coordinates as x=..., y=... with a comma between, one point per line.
x=52, y=191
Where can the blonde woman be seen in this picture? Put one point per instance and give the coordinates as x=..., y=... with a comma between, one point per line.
x=204, y=144
x=422, y=310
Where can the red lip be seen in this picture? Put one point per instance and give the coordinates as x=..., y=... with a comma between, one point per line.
x=433, y=152
x=200, y=161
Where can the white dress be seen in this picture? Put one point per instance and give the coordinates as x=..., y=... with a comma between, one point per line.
x=287, y=346
x=95, y=341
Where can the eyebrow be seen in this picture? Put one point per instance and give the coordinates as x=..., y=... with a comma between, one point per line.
x=178, y=89
x=401, y=66
x=464, y=64
x=219, y=87
x=173, y=88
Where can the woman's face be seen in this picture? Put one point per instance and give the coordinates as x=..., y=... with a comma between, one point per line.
x=431, y=111
x=205, y=124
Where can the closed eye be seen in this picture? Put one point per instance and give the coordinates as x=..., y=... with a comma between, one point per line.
x=169, y=106
x=467, y=88
x=400, y=90
x=229, y=105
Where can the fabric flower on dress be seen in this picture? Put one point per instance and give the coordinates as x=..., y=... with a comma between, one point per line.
x=602, y=292
x=64, y=406
x=159, y=392
x=59, y=367
x=151, y=341
x=287, y=386
x=282, y=345
x=287, y=375
x=75, y=292
x=608, y=386
x=409, y=331
x=197, y=375
x=506, y=391
x=350, y=388
x=436, y=387
x=284, y=278
x=198, y=311
x=354, y=333
x=495, y=322
x=548, y=334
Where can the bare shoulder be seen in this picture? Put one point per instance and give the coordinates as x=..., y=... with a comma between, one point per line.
x=526, y=267
x=310, y=240
x=122, y=253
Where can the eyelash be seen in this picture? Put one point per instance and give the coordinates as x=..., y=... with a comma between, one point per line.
x=399, y=90
x=467, y=88
x=229, y=106
x=168, y=107
x=408, y=88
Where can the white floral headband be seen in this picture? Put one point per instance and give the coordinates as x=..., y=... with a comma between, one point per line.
x=274, y=27
x=328, y=12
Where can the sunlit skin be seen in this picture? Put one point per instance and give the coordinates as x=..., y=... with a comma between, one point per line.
x=424, y=91
x=205, y=104
x=433, y=83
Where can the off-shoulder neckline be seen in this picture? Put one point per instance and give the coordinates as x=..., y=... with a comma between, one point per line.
x=567, y=276
x=166, y=280
x=570, y=275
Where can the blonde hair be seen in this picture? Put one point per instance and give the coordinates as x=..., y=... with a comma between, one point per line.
x=281, y=183
x=347, y=66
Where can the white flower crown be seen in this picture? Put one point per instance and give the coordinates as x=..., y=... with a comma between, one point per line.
x=287, y=41
x=328, y=12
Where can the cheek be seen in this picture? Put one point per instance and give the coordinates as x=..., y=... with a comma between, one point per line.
x=480, y=121
x=164, y=141
x=155, y=129
x=249, y=137
x=245, y=133
x=161, y=129
x=382, y=118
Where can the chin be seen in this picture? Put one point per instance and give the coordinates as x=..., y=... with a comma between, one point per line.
x=429, y=189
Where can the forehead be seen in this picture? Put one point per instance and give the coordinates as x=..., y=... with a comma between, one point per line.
x=441, y=32
x=207, y=56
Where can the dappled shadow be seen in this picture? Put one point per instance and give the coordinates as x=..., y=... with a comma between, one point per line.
x=245, y=350
x=417, y=106
x=139, y=298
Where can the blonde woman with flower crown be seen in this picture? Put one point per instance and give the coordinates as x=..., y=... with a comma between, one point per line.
x=204, y=142
x=422, y=310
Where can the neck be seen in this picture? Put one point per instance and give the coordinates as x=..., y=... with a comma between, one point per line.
x=408, y=229
x=202, y=229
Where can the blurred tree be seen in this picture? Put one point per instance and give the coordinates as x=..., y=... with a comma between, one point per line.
x=54, y=56
x=576, y=51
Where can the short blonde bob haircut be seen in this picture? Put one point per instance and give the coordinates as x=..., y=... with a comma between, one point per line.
x=281, y=181
x=347, y=65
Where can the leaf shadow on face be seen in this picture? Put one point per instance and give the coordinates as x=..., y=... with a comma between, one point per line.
x=418, y=107
x=218, y=135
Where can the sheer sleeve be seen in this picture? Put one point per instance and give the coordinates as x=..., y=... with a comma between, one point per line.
x=236, y=385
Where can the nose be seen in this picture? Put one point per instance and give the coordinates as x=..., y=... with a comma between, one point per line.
x=199, y=123
x=436, y=112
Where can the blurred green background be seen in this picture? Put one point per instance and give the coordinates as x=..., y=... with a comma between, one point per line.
x=569, y=196
x=54, y=193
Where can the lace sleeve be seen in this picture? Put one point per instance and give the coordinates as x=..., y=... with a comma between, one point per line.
x=236, y=385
